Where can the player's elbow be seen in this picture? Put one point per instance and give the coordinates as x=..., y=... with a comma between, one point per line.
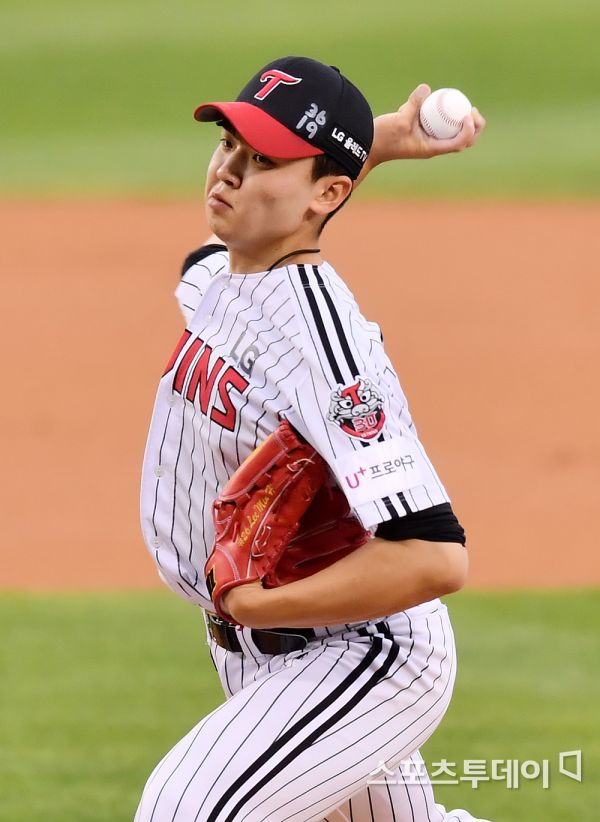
x=449, y=572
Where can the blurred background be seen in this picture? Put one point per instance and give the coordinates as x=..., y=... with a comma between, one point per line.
x=97, y=98
x=482, y=270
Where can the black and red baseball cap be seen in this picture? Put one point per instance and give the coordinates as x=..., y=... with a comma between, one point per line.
x=297, y=107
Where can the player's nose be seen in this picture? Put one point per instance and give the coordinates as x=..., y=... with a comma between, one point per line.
x=229, y=171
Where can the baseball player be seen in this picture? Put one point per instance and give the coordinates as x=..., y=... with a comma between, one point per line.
x=323, y=719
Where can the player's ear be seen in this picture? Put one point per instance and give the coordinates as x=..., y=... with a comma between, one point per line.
x=330, y=193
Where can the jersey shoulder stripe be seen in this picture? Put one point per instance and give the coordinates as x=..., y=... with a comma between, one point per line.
x=329, y=332
x=318, y=323
x=336, y=322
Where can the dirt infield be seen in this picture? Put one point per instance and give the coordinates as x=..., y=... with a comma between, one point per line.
x=489, y=314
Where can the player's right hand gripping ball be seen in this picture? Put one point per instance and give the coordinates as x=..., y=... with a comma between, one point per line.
x=278, y=519
x=443, y=112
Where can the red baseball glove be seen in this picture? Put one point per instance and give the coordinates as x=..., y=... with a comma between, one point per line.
x=279, y=518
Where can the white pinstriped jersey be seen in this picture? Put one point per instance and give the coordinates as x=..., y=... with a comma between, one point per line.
x=285, y=343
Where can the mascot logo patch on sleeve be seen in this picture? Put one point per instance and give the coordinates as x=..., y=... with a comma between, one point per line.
x=357, y=409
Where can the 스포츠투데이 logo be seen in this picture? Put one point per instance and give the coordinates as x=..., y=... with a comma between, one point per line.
x=357, y=409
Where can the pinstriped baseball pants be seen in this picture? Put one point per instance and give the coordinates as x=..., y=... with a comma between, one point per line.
x=302, y=734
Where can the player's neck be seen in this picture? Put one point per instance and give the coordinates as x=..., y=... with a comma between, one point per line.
x=252, y=262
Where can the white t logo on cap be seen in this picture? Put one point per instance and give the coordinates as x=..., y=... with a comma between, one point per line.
x=275, y=78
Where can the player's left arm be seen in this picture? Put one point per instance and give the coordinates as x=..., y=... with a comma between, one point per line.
x=379, y=578
x=399, y=135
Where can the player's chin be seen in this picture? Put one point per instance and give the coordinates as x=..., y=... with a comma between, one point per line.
x=219, y=222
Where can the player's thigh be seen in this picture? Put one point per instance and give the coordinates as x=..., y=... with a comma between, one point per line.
x=300, y=741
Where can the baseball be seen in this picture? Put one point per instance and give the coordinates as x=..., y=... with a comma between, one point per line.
x=443, y=112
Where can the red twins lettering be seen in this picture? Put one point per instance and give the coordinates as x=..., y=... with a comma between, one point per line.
x=184, y=338
x=184, y=365
x=226, y=417
x=201, y=380
x=273, y=78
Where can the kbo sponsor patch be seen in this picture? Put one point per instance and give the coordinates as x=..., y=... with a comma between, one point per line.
x=357, y=409
x=382, y=469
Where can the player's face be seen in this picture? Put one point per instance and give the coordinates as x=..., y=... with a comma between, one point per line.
x=256, y=204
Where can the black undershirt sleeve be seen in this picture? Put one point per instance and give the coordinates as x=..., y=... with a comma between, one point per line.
x=435, y=524
x=199, y=254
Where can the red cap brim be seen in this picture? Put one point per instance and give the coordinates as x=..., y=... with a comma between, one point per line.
x=263, y=132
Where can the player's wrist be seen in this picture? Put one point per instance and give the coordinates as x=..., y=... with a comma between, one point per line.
x=375, y=157
x=245, y=604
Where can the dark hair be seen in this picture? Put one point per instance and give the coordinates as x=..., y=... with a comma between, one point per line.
x=326, y=166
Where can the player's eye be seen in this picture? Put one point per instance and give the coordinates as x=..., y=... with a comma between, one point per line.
x=226, y=143
x=262, y=160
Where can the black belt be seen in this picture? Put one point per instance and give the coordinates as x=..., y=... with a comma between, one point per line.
x=275, y=641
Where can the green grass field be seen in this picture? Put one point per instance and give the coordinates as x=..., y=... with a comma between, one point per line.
x=95, y=688
x=97, y=98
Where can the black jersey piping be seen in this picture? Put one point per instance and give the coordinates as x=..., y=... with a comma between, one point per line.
x=322, y=331
x=336, y=322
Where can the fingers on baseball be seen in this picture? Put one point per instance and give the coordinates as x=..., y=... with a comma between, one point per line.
x=417, y=96
x=462, y=140
x=468, y=131
x=479, y=120
x=466, y=136
x=472, y=126
x=421, y=92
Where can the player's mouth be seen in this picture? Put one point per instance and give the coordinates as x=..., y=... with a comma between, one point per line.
x=217, y=203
